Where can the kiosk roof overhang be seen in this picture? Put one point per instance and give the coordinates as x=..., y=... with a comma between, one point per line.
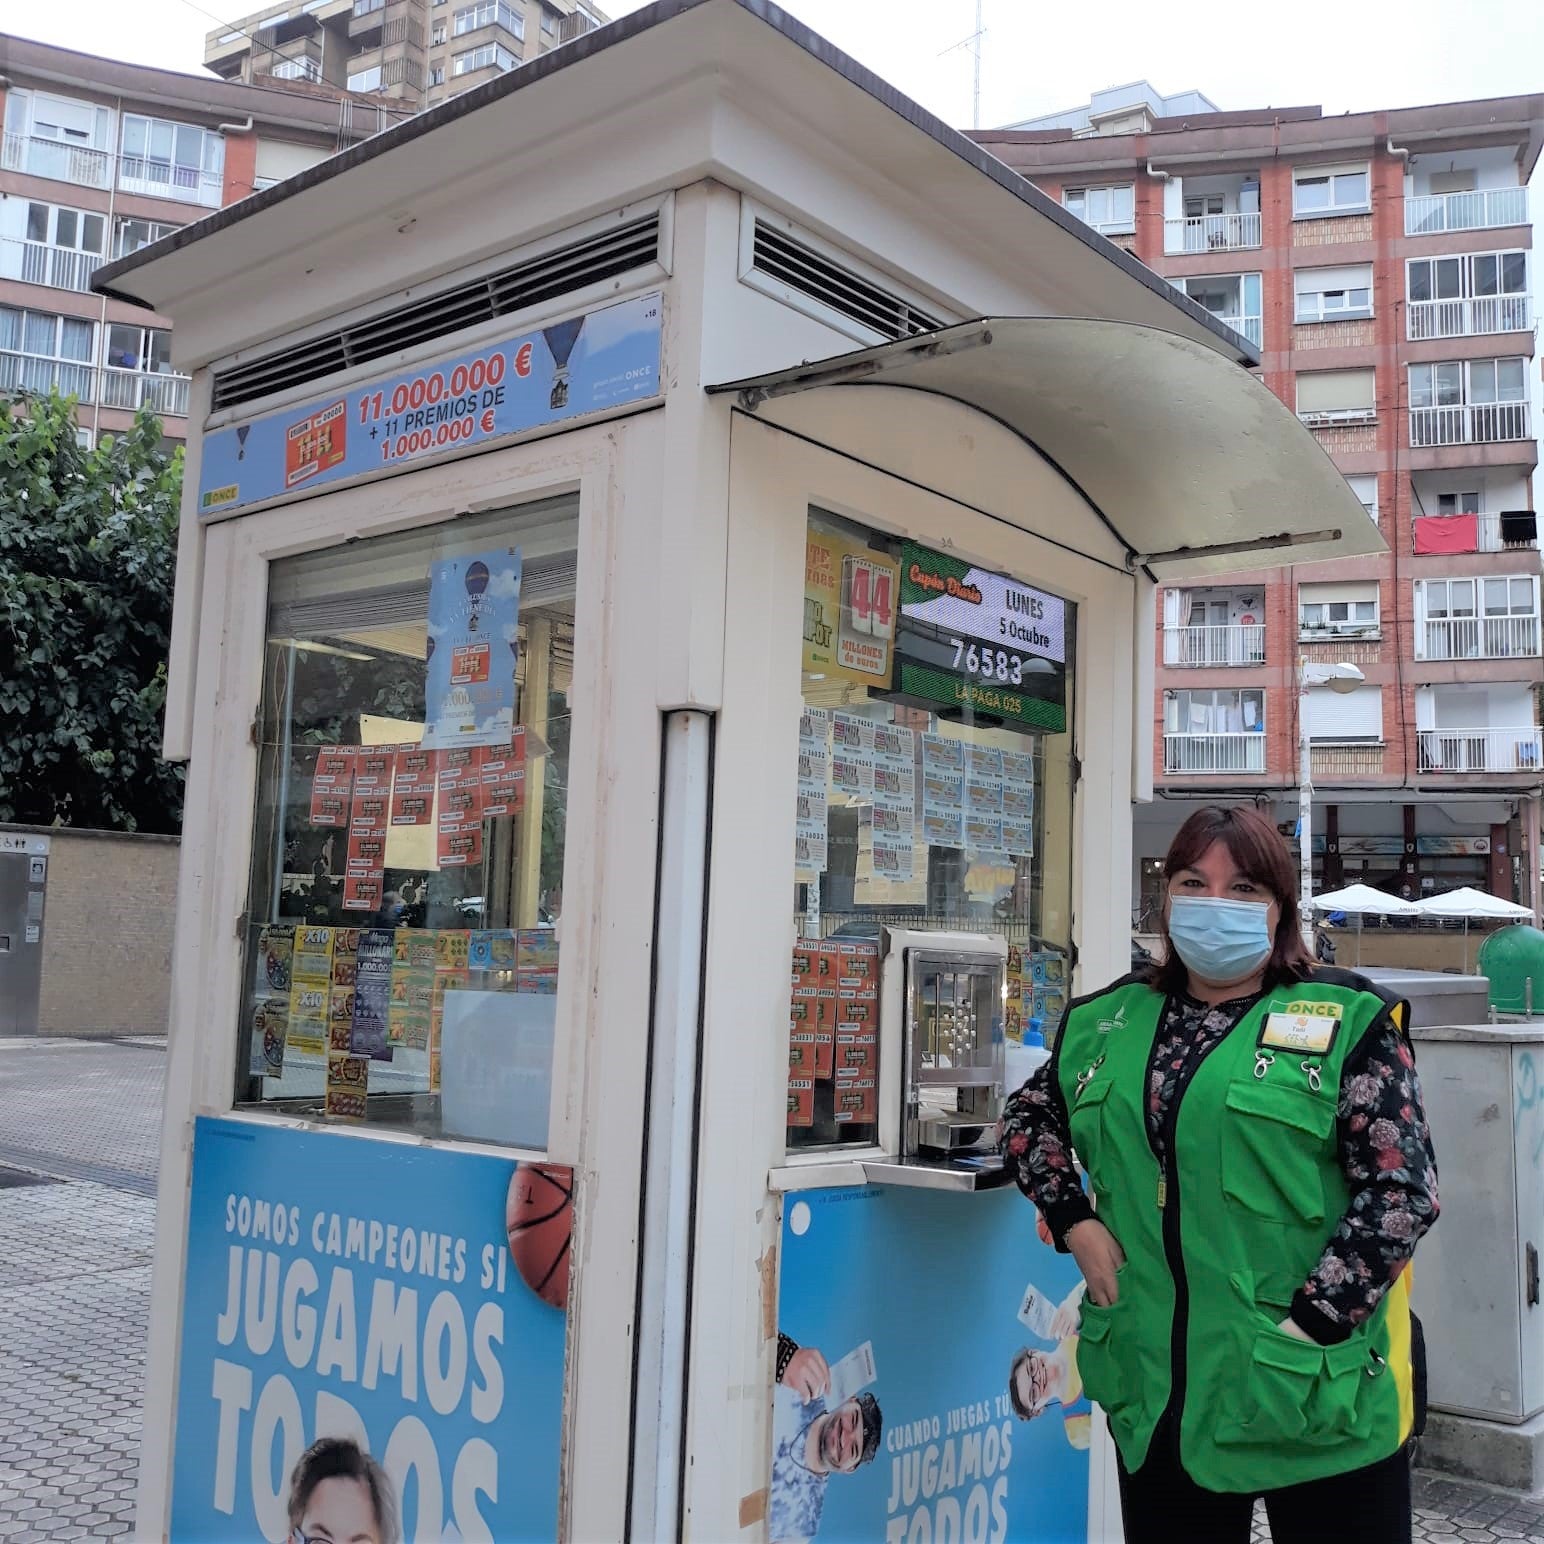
x=328, y=238
x=1194, y=466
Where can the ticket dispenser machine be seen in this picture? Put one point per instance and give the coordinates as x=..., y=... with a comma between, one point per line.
x=948, y=988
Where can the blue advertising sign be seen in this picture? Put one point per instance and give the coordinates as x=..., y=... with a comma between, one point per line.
x=928, y=1386
x=474, y=636
x=582, y=364
x=372, y=1341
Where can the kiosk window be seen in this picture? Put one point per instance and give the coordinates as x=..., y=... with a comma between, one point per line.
x=405, y=917
x=934, y=793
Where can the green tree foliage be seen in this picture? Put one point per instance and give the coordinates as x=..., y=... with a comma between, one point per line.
x=87, y=554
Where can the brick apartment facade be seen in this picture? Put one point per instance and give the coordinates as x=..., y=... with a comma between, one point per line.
x=1381, y=263
x=99, y=159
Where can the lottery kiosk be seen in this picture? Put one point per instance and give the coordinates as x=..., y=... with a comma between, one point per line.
x=663, y=658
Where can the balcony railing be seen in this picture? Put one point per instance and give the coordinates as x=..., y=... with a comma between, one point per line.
x=165, y=179
x=1214, y=753
x=25, y=372
x=1491, y=534
x=1430, y=214
x=58, y=161
x=1473, y=318
x=1212, y=233
x=1480, y=423
x=1224, y=644
x=34, y=262
x=162, y=393
x=1248, y=325
x=1482, y=638
x=1480, y=750
x=94, y=169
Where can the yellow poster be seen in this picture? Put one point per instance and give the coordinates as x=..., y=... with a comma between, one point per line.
x=310, y=988
x=850, y=596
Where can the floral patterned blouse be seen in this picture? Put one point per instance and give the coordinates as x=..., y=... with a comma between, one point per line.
x=1384, y=1143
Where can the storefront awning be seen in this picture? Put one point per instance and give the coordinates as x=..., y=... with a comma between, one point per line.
x=1194, y=466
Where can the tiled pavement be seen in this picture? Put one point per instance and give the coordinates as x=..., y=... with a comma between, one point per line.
x=75, y=1291
x=74, y=1281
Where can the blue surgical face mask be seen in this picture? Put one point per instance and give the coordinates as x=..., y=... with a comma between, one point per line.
x=1219, y=941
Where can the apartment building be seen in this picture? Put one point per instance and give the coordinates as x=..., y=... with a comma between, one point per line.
x=1381, y=263
x=417, y=52
x=101, y=158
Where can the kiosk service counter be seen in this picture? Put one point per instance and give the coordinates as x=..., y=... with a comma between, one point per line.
x=647, y=797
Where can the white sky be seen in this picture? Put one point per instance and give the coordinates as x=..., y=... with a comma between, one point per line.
x=1039, y=57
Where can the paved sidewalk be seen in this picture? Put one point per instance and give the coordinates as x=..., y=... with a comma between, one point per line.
x=74, y=1281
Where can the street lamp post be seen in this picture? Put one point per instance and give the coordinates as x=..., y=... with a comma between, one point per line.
x=1339, y=678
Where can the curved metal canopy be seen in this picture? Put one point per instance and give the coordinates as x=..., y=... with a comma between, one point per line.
x=1195, y=467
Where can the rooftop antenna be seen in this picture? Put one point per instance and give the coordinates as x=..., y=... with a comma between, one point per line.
x=973, y=43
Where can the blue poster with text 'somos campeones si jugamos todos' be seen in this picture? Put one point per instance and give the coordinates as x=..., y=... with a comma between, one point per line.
x=544, y=375
x=404, y=1301
x=952, y=1410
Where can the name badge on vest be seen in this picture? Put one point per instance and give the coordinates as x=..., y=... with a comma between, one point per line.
x=1309, y=1028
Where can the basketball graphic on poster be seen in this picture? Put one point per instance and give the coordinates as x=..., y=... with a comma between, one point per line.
x=540, y=1218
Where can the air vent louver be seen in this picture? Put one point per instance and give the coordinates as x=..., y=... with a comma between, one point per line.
x=565, y=270
x=784, y=258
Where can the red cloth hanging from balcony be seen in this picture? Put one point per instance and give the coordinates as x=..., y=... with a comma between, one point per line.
x=1447, y=533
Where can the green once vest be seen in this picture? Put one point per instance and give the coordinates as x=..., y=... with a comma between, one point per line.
x=1217, y=1244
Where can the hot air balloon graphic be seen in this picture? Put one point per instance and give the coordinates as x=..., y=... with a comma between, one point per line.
x=560, y=340
x=476, y=587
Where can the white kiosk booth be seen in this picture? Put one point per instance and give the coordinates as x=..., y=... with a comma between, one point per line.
x=663, y=683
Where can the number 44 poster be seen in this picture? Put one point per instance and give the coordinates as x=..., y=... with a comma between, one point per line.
x=474, y=636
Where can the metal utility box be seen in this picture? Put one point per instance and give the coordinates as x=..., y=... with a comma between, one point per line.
x=1477, y=1276
x=23, y=882
x=1435, y=997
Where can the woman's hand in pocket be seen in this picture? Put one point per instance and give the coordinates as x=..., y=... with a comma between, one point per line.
x=1099, y=1257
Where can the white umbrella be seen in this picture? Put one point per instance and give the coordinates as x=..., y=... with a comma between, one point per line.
x=1470, y=902
x=1362, y=900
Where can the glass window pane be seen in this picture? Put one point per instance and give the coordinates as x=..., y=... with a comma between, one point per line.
x=75, y=339
x=1461, y=596
x=92, y=230
x=188, y=146
x=1495, y=597
x=159, y=354
x=1482, y=380
x=37, y=222
x=1312, y=193
x=1351, y=188
x=404, y=957
x=1522, y=597
x=162, y=138
x=934, y=790
x=65, y=228
x=1420, y=386
x=1486, y=269
x=1449, y=277
x=123, y=346
x=1449, y=384
x=10, y=328
x=1514, y=273
x=1419, y=278
x=135, y=136
x=39, y=333
x=1509, y=380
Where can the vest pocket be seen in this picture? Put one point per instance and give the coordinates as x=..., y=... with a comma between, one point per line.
x=1086, y=1122
x=1302, y=1393
x=1273, y=1138
x=1105, y=1380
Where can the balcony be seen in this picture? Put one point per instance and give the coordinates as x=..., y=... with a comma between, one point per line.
x=162, y=393
x=1513, y=530
x=1479, y=423
x=1433, y=214
x=1212, y=233
x=1480, y=750
x=1473, y=318
x=58, y=161
x=26, y=372
x=1512, y=637
x=34, y=262
x=1185, y=755
x=1224, y=644
x=155, y=178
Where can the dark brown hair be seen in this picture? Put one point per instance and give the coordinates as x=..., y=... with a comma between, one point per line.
x=341, y=1458
x=1257, y=849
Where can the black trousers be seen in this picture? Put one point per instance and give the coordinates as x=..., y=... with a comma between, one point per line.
x=1161, y=1504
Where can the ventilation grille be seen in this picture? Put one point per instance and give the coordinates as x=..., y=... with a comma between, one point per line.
x=784, y=258
x=564, y=271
